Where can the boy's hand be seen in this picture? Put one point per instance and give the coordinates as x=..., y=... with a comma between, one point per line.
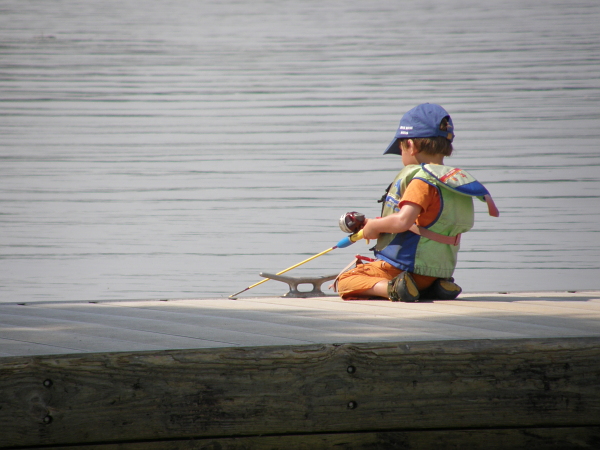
x=369, y=230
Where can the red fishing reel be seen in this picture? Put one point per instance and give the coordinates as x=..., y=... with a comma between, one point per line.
x=352, y=222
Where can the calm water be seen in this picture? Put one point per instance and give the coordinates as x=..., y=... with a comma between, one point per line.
x=177, y=149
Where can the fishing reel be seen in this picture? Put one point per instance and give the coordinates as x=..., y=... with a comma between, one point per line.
x=352, y=222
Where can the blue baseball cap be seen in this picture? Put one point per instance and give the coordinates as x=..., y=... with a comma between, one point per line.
x=422, y=121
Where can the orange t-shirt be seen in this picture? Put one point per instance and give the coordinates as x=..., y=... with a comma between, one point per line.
x=427, y=197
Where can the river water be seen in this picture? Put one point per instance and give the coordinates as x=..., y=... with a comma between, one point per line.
x=177, y=149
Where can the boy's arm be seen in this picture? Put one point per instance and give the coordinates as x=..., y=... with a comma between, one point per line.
x=394, y=223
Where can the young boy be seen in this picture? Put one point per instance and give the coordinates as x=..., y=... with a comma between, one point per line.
x=426, y=209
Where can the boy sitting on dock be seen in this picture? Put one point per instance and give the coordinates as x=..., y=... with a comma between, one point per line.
x=425, y=210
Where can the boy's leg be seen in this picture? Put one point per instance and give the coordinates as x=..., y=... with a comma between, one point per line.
x=366, y=280
x=442, y=289
x=403, y=288
x=408, y=287
x=373, y=279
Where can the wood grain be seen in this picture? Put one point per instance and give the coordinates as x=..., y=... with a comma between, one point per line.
x=116, y=398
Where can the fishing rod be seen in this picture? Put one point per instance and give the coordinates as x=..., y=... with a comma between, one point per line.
x=346, y=242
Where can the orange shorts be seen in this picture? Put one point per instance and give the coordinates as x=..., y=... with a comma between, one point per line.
x=365, y=276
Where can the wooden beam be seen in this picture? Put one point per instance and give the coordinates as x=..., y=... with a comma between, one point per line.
x=381, y=388
x=495, y=439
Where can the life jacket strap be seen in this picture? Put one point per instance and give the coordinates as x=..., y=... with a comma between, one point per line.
x=364, y=258
x=437, y=237
x=492, y=208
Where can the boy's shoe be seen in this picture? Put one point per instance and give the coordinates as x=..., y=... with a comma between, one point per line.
x=403, y=288
x=444, y=289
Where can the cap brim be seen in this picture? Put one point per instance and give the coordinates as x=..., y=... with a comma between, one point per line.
x=393, y=148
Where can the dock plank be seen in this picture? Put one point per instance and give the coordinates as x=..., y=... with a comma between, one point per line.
x=530, y=321
x=343, y=317
x=73, y=337
x=12, y=347
x=170, y=330
x=255, y=325
x=136, y=325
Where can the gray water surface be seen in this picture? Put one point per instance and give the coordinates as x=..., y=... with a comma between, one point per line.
x=177, y=149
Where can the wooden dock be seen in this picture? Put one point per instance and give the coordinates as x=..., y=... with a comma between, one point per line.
x=515, y=370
